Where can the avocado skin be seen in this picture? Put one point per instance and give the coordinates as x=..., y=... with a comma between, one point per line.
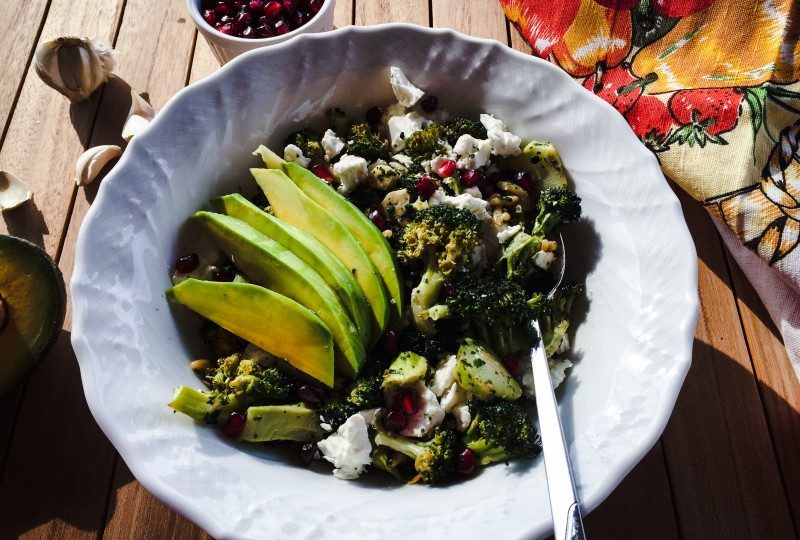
x=365, y=232
x=292, y=205
x=35, y=297
x=269, y=320
x=281, y=423
x=266, y=262
x=309, y=250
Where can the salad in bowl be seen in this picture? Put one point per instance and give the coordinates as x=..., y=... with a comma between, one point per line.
x=369, y=306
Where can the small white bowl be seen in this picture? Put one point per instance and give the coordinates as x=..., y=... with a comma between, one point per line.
x=226, y=48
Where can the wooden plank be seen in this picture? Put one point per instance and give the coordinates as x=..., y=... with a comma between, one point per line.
x=204, y=63
x=18, y=44
x=720, y=460
x=343, y=12
x=134, y=513
x=479, y=18
x=384, y=11
x=777, y=384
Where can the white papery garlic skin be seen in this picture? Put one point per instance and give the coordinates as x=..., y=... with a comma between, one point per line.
x=74, y=66
x=139, y=117
x=13, y=191
x=92, y=162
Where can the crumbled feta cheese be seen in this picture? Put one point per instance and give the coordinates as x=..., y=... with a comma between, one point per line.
x=503, y=143
x=492, y=124
x=558, y=368
x=395, y=203
x=474, y=191
x=429, y=413
x=445, y=375
x=564, y=345
x=544, y=259
x=401, y=127
x=454, y=397
x=472, y=153
x=476, y=205
x=403, y=160
x=395, y=109
x=370, y=416
x=505, y=233
x=406, y=93
x=294, y=154
x=348, y=449
x=463, y=417
x=331, y=144
x=349, y=171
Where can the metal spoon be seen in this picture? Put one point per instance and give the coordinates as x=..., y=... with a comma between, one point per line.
x=567, y=521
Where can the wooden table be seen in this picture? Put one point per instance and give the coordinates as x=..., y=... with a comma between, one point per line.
x=727, y=466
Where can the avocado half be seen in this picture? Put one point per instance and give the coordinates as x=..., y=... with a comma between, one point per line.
x=32, y=307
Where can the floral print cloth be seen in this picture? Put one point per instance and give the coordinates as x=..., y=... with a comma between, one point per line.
x=711, y=87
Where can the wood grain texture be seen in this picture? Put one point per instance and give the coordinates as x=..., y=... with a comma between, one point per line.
x=204, y=63
x=343, y=13
x=479, y=18
x=718, y=451
x=384, y=11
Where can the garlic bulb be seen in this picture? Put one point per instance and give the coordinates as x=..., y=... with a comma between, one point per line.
x=13, y=191
x=92, y=162
x=76, y=67
x=139, y=117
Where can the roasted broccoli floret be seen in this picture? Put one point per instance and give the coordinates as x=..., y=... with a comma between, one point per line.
x=501, y=431
x=367, y=393
x=412, y=340
x=335, y=412
x=338, y=121
x=392, y=462
x=435, y=460
x=308, y=140
x=497, y=309
x=443, y=238
x=554, y=313
x=363, y=142
x=236, y=383
x=423, y=144
x=456, y=127
x=556, y=206
x=220, y=342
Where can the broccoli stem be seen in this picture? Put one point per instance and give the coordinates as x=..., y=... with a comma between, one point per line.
x=426, y=293
x=193, y=403
x=399, y=444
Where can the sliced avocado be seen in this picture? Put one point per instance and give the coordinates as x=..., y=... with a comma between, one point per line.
x=360, y=226
x=32, y=307
x=291, y=205
x=405, y=370
x=271, y=159
x=309, y=250
x=281, y=423
x=480, y=371
x=266, y=262
x=268, y=320
x=541, y=159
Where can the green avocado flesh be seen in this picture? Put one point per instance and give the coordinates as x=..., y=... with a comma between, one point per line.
x=268, y=320
x=292, y=205
x=365, y=232
x=266, y=262
x=33, y=307
x=309, y=250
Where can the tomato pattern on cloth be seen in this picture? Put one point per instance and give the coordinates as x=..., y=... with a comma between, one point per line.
x=711, y=87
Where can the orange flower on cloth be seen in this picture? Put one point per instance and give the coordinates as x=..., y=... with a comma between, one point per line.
x=711, y=87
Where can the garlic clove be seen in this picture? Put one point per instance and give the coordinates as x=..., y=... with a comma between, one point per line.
x=13, y=191
x=92, y=162
x=139, y=117
x=76, y=67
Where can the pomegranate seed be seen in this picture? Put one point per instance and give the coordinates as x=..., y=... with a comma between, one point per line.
x=447, y=290
x=187, y=263
x=226, y=28
x=323, y=172
x=309, y=394
x=395, y=420
x=222, y=8
x=264, y=31
x=288, y=6
x=244, y=19
x=307, y=453
x=256, y=6
x=226, y=19
x=472, y=177
x=374, y=116
x=222, y=274
x=426, y=186
x=378, y=220
x=430, y=104
x=448, y=168
x=280, y=27
x=272, y=9
x=314, y=6
x=248, y=32
x=409, y=400
x=210, y=17
x=234, y=424
x=512, y=365
x=389, y=343
x=466, y=462
x=298, y=19
x=525, y=181
x=238, y=4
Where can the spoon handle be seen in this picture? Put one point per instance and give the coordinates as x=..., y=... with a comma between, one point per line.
x=567, y=523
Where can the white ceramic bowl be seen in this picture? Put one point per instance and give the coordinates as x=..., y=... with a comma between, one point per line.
x=226, y=48
x=632, y=351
